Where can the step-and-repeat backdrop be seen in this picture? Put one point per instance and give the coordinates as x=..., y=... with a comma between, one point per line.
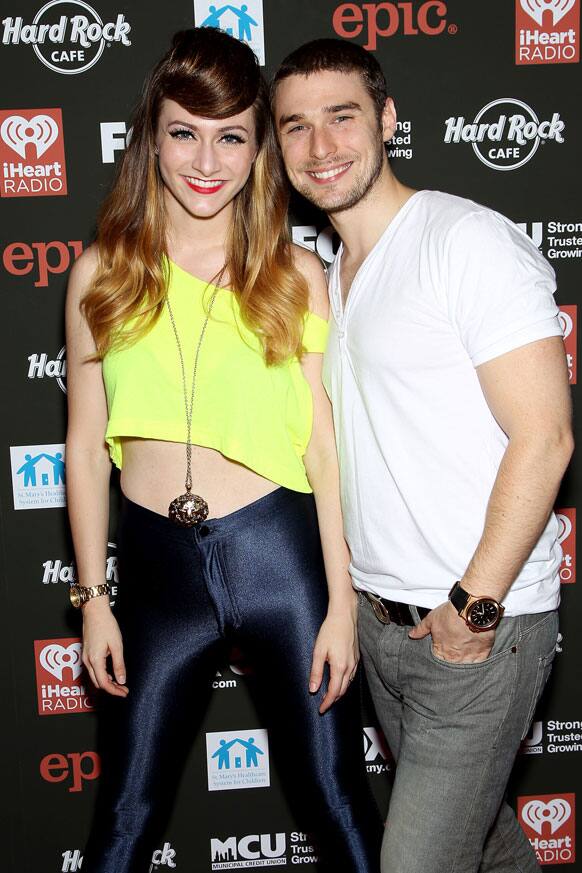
x=489, y=96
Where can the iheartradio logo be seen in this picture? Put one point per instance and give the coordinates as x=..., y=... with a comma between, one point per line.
x=569, y=321
x=55, y=658
x=549, y=821
x=59, y=677
x=28, y=136
x=567, y=539
x=547, y=31
x=557, y=9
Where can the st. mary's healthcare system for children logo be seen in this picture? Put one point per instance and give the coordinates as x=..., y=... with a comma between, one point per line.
x=238, y=759
x=241, y=20
x=38, y=476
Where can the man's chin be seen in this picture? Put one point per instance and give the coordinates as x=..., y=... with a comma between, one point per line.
x=330, y=203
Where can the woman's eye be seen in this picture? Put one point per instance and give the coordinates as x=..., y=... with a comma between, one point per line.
x=181, y=133
x=232, y=138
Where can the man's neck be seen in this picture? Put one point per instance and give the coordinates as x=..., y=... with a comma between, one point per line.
x=361, y=227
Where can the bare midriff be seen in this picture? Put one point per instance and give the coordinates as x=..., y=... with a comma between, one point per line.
x=154, y=473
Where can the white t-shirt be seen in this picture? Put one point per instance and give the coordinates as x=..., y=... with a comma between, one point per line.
x=449, y=285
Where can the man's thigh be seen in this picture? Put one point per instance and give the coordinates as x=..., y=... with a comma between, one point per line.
x=461, y=728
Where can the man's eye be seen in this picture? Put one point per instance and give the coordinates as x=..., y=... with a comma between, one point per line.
x=298, y=128
x=342, y=117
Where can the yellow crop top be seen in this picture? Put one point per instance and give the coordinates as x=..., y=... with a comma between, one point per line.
x=257, y=415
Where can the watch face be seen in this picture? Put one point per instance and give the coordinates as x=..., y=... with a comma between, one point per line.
x=484, y=614
x=75, y=596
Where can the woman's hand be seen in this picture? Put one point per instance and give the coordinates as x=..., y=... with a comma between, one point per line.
x=336, y=644
x=101, y=638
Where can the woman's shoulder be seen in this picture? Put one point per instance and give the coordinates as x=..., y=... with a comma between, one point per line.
x=309, y=265
x=83, y=272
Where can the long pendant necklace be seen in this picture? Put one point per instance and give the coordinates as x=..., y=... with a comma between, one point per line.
x=189, y=509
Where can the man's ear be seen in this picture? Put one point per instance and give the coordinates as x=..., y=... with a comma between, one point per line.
x=388, y=119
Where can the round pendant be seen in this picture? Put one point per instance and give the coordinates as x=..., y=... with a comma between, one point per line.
x=188, y=509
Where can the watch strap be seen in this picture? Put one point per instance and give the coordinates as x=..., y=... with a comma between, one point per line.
x=459, y=597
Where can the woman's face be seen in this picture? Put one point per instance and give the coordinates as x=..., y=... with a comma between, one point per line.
x=204, y=162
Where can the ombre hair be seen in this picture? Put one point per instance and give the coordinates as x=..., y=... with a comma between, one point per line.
x=213, y=75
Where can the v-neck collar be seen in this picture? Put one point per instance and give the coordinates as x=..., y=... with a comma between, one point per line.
x=390, y=229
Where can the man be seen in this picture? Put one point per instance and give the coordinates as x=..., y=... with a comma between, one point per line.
x=447, y=373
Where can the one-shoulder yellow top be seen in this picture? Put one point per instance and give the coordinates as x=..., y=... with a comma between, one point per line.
x=256, y=415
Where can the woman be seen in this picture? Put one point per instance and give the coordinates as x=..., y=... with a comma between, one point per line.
x=194, y=340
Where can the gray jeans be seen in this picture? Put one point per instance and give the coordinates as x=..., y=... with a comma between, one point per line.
x=454, y=731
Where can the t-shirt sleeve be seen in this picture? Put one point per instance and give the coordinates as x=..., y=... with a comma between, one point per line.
x=499, y=288
x=315, y=333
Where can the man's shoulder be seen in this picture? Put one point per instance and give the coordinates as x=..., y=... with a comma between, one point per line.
x=462, y=223
x=447, y=210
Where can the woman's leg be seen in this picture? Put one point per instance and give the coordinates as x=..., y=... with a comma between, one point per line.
x=171, y=641
x=273, y=566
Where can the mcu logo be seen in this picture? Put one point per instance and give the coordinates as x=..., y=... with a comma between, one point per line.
x=567, y=539
x=253, y=850
x=549, y=821
x=244, y=21
x=505, y=134
x=67, y=36
x=569, y=321
x=32, y=153
x=383, y=20
x=547, y=31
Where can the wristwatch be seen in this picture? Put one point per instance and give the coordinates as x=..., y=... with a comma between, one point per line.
x=80, y=594
x=480, y=613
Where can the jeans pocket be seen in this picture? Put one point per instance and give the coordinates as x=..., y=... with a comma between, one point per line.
x=544, y=666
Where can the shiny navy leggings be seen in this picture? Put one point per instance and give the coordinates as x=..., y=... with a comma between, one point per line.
x=254, y=578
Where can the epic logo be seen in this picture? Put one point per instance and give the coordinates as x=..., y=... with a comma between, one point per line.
x=80, y=767
x=567, y=539
x=386, y=19
x=505, y=140
x=549, y=822
x=569, y=321
x=538, y=40
x=250, y=851
x=60, y=660
x=32, y=134
x=70, y=42
x=48, y=259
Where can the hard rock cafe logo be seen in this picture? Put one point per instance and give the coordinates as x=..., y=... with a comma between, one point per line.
x=41, y=365
x=547, y=31
x=505, y=134
x=67, y=36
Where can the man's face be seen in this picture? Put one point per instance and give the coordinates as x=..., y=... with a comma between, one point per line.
x=330, y=136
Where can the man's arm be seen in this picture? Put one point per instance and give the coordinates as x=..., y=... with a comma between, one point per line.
x=527, y=392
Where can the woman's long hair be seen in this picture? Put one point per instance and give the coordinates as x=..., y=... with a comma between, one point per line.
x=212, y=75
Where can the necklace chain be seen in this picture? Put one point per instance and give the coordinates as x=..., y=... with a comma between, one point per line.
x=189, y=406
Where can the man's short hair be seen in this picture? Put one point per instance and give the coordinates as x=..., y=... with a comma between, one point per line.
x=338, y=56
